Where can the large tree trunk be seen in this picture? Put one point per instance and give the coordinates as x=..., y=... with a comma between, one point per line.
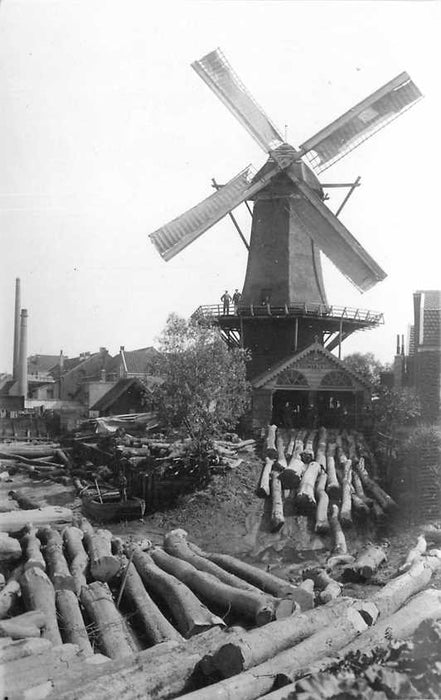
x=281, y=459
x=32, y=671
x=329, y=589
x=398, y=590
x=39, y=594
x=366, y=564
x=277, y=516
x=414, y=554
x=58, y=569
x=24, y=501
x=339, y=540
x=400, y=625
x=14, y=521
x=114, y=636
x=32, y=549
x=21, y=626
x=291, y=443
x=77, y=555
x=156, y=627
x=321, y=518
x=346, y=501
x=10, y=549
x=163, y=671
x=71, y=621
x=263, y=488
x=291, y=476
x=8, y=596
x=305, y=498
x=247, y=604
x=243, y=650
x=176, y=544
x=382, y=498
x=258, y=577
x=333, y=487
x=260, y=680
x=189, y=614
x=360, y=507
x=23, y=647
x=103, y=564
x=424, y=606
x=271, y=449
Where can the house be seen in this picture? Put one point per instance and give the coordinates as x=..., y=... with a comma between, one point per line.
x=79, y=381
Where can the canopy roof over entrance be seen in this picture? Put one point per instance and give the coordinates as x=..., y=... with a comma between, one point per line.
x=313, y=369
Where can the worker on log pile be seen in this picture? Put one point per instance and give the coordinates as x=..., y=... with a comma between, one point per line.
x=122, y=484
x=226, y=299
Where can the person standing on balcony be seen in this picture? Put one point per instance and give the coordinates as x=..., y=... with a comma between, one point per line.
x=236, y=300
x=226, y=299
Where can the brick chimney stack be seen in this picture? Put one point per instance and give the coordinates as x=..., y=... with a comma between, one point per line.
x=16, y=356
x=23, y=359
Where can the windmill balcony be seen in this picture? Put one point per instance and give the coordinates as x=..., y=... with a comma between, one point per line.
x=300, y=309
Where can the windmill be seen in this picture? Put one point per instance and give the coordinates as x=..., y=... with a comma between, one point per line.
x=284, y=304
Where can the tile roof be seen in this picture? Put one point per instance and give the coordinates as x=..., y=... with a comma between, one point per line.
x=42, y=363
x=114, y=393
x=139, y=361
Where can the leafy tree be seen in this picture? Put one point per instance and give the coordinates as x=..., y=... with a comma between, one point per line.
x=390, y=408
x=393, y=408
x=205, y=389
x=366, y=365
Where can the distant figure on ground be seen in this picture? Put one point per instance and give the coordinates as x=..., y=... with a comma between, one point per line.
x=225, y=298
x=237, y=296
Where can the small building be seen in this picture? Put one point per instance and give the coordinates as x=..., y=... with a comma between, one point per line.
x=126, y=396
x=309, y=388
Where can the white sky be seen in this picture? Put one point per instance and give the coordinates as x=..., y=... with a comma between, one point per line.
x=107, y=133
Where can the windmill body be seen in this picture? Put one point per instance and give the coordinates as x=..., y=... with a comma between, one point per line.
x=284, y=312
x=284, y=265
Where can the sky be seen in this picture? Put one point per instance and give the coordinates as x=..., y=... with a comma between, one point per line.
x=106, y=133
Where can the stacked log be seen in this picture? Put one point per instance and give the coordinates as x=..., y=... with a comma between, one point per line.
x=189, y=614
x=321, y=521
x=320, y=469
x=103, y=564
x=114, y=637
x=57, y=567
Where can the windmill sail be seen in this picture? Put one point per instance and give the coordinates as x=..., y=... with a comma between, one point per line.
x=179, y=233
x=361, y=122
x=334, y=239
x=215, y=70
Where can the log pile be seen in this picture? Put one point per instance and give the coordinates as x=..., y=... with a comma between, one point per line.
x=153, y=468
x=86, y=615
x=44, y=460
x=324, y=474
